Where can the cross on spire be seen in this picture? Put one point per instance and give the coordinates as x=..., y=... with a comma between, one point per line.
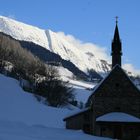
x=116, y=19
x=116, y=47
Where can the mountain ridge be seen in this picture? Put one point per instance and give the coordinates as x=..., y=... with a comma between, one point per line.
x=54, y=43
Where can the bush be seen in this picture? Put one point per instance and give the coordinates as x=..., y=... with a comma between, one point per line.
x=56, y=92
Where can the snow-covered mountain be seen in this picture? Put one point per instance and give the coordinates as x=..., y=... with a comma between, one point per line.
x=55, y=43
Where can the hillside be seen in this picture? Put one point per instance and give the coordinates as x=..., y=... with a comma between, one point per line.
x=54, y=43
x=23, y=117
x=17, y=105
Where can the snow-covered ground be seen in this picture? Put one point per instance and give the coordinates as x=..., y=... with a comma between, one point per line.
x=82, y=89
x=22, y=117
x=21, y=131
x=17, y=105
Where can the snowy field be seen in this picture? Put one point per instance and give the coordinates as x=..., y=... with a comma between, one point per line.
x=82, y=89
x=22, y=117
x=21, y=131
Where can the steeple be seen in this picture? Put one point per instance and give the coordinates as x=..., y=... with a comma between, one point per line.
x=116, y=47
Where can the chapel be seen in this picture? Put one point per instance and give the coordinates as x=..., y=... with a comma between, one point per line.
x=113, y=109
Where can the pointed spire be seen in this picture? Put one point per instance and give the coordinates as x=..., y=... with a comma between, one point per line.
x=116, y=47
x=116, y=34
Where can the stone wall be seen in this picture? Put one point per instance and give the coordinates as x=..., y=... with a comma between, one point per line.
x=75, y=122
x=116, y=94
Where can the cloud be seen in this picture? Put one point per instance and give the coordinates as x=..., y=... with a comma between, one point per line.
x=99, y=51
x=131, y=68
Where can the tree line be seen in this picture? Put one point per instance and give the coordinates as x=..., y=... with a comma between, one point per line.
x=44, y=78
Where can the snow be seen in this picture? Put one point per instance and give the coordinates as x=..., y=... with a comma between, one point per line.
x=82, y=94
x=118, y=117
x=64, y=73
x=21, y=31
x=24, y=118
x=53, y=42
x=81, y=89
x=77, y=112
x=17, y=105
x=69, y=51
x=20, y=131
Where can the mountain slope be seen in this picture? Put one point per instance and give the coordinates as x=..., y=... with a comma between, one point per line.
x=21, y=31
x=53, y=42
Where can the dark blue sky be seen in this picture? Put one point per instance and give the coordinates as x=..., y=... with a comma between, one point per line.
x=88, y=20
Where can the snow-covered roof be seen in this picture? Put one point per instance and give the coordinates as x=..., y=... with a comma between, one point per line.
x=76, y=113
x=117, y=117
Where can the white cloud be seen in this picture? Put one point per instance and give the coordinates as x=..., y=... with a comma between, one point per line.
x=98, y=51
x=131, y=68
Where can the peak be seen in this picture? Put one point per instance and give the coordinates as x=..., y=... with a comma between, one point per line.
x=10, y=21
x=2, y=16
x=22, y=31
x=5, y=18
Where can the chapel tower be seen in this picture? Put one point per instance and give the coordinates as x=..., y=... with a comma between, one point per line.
x=116, y=47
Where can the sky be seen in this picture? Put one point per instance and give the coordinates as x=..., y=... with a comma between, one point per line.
x=86, y=20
